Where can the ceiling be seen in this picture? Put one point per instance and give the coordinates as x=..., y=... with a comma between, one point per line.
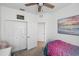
x=33, y=9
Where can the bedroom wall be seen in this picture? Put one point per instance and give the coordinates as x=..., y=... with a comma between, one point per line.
x=70, y=10
x=46, y=19
x=50, y=25
x=0, y=22
x=10, y=14
x=32, y=19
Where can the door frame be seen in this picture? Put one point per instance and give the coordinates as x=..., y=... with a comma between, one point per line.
x=44, y=31
x=26, y=35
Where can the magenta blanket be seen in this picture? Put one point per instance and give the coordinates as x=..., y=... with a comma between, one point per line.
x=61, y=48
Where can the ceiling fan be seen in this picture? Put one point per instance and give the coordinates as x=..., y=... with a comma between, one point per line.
x=40, y=5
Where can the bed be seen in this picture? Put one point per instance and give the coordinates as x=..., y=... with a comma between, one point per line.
x=60, y=48
x=5, y=49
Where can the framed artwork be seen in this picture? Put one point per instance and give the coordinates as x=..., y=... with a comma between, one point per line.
x=69, y=25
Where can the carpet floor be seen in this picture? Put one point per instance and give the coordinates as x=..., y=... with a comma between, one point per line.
x=37, y=51
x=33, y=52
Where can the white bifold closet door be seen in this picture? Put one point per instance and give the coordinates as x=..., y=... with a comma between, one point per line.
x=32, y=35
x=15, y=33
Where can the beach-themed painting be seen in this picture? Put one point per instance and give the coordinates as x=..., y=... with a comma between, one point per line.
x=69, y=25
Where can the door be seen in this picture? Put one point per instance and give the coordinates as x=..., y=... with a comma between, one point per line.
x=41, y=32
x=32, y=35
x=21, y=33
x=15, y=33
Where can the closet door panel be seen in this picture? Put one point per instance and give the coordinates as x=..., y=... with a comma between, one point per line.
x=15, y=33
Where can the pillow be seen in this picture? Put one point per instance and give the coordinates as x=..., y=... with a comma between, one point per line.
x=3, y=44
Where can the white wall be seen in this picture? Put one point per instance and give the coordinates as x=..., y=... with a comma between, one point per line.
x=32, y=20
x=50, y=25
x=49, y=18
x=0, y=22
x=10, y=14
x=70, y=10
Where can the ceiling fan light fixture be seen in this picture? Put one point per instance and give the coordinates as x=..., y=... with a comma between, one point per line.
x=40, y=4
x=40, y=14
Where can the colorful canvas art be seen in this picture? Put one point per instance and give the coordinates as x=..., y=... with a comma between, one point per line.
x=69, y=25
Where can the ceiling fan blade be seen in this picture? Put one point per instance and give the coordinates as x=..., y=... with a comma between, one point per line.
x=48, y=5
x=39, y=8
x=30, y=4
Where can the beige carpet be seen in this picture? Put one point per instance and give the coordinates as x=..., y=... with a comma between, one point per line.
x=38, y=51
x=32, y=52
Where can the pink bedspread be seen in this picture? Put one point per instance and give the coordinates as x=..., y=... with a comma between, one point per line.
x=61, y=48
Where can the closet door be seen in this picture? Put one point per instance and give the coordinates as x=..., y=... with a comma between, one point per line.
x=15, y=33
x=32, y=35
x=20, y=34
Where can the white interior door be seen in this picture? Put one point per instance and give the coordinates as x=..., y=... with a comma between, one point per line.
x=15, y=33
x=32, y=35
x=41, y=31
x=21, y=33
